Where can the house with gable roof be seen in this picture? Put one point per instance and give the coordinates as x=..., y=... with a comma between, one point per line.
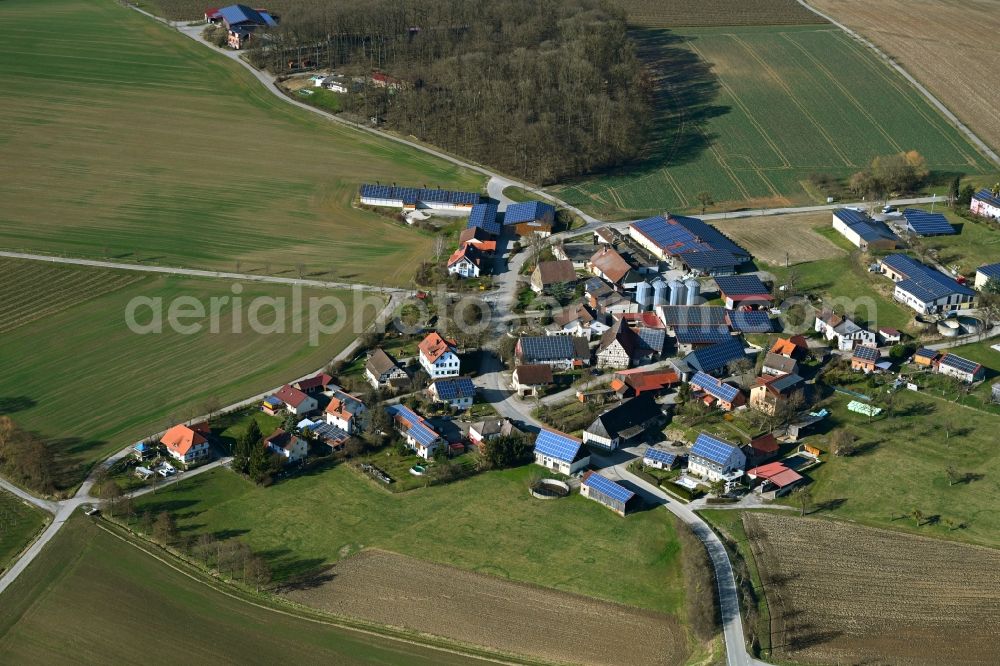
x=717, y=393
x=346, y=411
x=439, y=356
x=290, y=447
x=623, y=423
x=603, y=490
x=530, y=217
x=560, y=452
x=843, y=330
x=715, y=459
x=295, y=401
x=417, y=434
x=771, y=393
x=985, y=204
x=382, y=371
x=187, y=444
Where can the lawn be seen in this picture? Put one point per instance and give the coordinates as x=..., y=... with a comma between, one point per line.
x=487, y=523
x=82, y=379
x=91, y=597
x=19, y=523
x=125, y=139
x=748, y=113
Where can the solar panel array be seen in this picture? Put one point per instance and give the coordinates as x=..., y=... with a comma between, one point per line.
x=755, y=321
x=959, y=363
x=700, y=316
x=416, y=428
x=702, y=336
x=528, y=211
x=547, y=348
x=557, y=445
x=921, y=281
x=864, y=353
x=717, y=356
x=414, y=194
x=708, y=260
x=660, y=456
x=672, y=238
x=990, y=271
x=652, y=339
x=924, y=352
x=712, y=448
x=850, y=217
x=714, y=387
x=923, y=223
x=608, y=488
x=329, y=431
x=484, y=216
x=454, y=388
x=742, y=285
x=986, y=196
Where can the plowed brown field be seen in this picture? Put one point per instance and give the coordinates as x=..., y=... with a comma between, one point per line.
x=776, y=238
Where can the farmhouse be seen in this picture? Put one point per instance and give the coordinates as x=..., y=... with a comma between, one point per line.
x=549, y=275
x=925, y=356
x=772, y=394
x=779, y=365
x=578, y=253
x=419, y=437
x=922, y=223
x=863, y=231
x=715, y=459
x=602, y=489
x=457, y=392
x=483, y=431
x=985, y=204
x=531, y=379
x=188, y=444
x=659, y=459
x=680, y=240
x=561, y=352
x=843, y=330
x=740, y=291
x=718, y=357
x=795, y=347
x=439, y=356
x=530, y=217
x=560, y=452
x=484, y=216
x=622, y=423
x=382, y=371
x=411, y=198
x=290, y=447
x=295, y=401
x=638, y=381
x=618, y=348
x=865, y=359
x=575, y=320
x=315, y=384
x=241, y=22
x=345, y=411
x=607, y=264
x=775, y=479
x=925, y=289
x=712, y=391
x=466, y=261
x=960, y=368
x=986, y=273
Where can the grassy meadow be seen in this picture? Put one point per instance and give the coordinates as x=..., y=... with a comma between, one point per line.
x=83, y=380
x=91, y=597
x=19, y=523
x=573, y=544
x=124, y=139
x=748, y=113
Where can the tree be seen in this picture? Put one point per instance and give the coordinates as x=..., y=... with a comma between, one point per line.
x=257, y=572
x=918, y=517
x=805, y=499
x=705, y=199
x=146, y=523
x=966, y=194
x=111, y=494
x=953, y=476
x=245, y=445
x=165, y=528
x=717, y=488
x=954, y=189
x=683, y=393
x=501, y=452
x=291, y=420
x=379, y=424
x=842, y=443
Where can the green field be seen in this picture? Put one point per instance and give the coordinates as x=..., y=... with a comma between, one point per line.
x=487, y=523
x=123, y=138
x=92, y=597
x=90, y=386
x=19, y=523
x=749, y=113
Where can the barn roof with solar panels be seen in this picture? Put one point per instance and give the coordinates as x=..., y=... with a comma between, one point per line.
x=548, y=347
x=560, y=446
x=454, y=388
x=713, y=449
x=923, y=223
x=608, y=488
x=236, y=15
x=987, y=197
x=660, y=456
x=743, y=287
x=414, y=424
x=866, y=353
x=716, y=357
x=702, y=336
x=991, y=271
x=678, y=235
x=708, y=260
x=484, y=216
x=755, y=321
x=924, y=352
x=961, y=364
x=698, y=316
x=528, y=211
x=864, y=226
x=714, y=387
x=923, y=282
x=410, y=195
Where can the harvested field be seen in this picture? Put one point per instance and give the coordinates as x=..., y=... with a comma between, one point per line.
x=948, y=45
x=671, y=13
x=400, y=591
x=777, y=238
x=842, y=593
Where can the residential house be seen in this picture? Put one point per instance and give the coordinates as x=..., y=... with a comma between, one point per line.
x=779, y=365
x=775, y=479
x=623, y=423
x=960, y=368
x=715, y=392
x=326, y=433
x=457, y=392
x=923, y=223
x=552, y=275
x=924, y=356
x=530, y=217
x=985, y=204
x=771, y=394
x=605, y=491
x=290, y=447
x=717, y=358
x=561, y=352
x=439, y=356
x=295, y=401
x=761, y=449
x=466, y=261
x=188, y=444
x=483, y=431
x=614, y=303
x=417, y=434
x=715, y=459
x=607, y=236
x=888, y=335
x=382, y=371
x=560, y=452
x=659, y=459
x=688, y=243
x=607, y=264
x=618, y=347
x=576, y=320
x=241, y=22
x=925, y=289
x=795, y=346
x=531, y=379
x=863, y=231
x=578, y=253
x=743, y=291
x=865, y=359
x=986, y=273
x=346, y=411
x=843, y=330
x=412, y=198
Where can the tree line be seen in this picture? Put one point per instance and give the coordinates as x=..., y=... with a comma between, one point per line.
x=540, y=89
x=24, y=458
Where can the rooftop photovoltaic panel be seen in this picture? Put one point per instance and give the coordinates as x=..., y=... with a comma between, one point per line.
x=702, y=336
x=714, y=387
x=678, y=235
x=328, y=431
x=484, y=216
x=608, y=488
x=990, y=271
x=924, y=352
x=527, y=211
x=742, y=285
x=959, y=363
x=660, y=455
x=712, y=448
x=547, y=347
x=453, y=389
x=557, y=445
x=986, y=196
x=415, y=194
x=850, y=216
x=755, y=321
x=717, y=356
x=785, y=382
x=867, y=354
x=706, y=260
x=416, y=427
x=923, y=223
x=700, y=316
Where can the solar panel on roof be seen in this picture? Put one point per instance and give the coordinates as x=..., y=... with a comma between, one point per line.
x=416, y=429
x=712, y=448
x=986, y=196
x=557, y=445
x=717, y=356
x=714, y=387
x=736, y=285
x=547, y=347
x=701, y=336
x=755, y=321
x=923, y=223
x=608, y=488
x=700, y=316
x=484, y=216
x=708, y=259
x=867, y=353
x=925, y=352
x=453, y=389
x=528, y=211
x=413, y=194
x=959, y=363
x=659, y=455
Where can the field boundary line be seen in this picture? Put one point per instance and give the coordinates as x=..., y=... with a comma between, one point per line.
x=938, y=104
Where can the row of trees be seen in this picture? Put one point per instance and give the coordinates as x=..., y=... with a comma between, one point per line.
x=887, y=174
x=542, y=89
x=24, y=458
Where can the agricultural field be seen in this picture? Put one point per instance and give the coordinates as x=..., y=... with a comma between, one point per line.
x=93, y=596
x=475, y=608
x=941, y=43
x=19, y=523
x=683, y=13
x=139, y=144
x=841, y=593
x=782, y=238
x=90, y=386
x=749, y=113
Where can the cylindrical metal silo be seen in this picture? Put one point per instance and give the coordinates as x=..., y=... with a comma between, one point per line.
x=676, y=292
x=644, y=295
x=692, y=291
x=661, y=293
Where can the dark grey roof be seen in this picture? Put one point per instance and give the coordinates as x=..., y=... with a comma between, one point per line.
x=625, y=420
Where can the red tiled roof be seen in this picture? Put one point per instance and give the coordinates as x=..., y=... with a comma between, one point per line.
x=434, y=347
x=776, y=473
x=765, y=444
x=181, y=438
x=647, y=319
x=290, y=396
x=789, y=346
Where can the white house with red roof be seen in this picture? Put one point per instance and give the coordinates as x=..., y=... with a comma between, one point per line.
x=295, y=401
x=439, y=357
x=345, y=411
x=465, y=261
x=290, y=447
x=187, y=444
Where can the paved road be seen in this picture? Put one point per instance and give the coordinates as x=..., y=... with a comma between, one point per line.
x=43, y=504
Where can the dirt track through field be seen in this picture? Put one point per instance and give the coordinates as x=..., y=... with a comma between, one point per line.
x=770, y=239
x=399, y=591
x=846, y=594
